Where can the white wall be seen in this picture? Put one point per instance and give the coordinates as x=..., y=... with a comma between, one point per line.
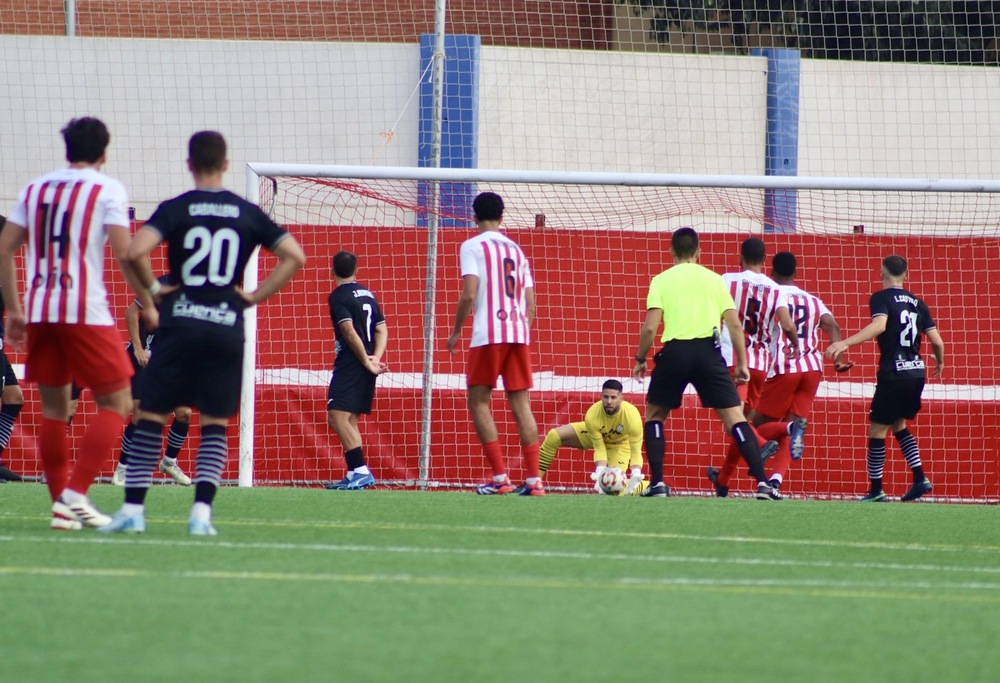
x=622, y=112
x=899, y=120
x=282, y=102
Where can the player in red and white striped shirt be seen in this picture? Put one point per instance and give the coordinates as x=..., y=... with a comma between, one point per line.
x=65, y=217
x=794, y=379
x=757, y=299
x=498, y=286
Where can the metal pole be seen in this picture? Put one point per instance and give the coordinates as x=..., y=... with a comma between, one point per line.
x=70, y=8
x=248, y=392
x=437, y=106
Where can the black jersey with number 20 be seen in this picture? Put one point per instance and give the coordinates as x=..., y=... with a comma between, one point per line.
x=210, y=235
x=908, y=318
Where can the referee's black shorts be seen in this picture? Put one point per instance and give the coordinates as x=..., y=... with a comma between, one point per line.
x=691, y=361
x=352, y=390
x=191, y=367
x=896, y=399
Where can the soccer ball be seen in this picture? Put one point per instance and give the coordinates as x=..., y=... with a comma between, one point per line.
x=612, y=481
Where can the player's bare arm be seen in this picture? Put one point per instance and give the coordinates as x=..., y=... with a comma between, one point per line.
x=731, y=319
x=789, y=330
x=529, y=298
x=381, y=340
x=145, y=285
x=647, y=335
x=291, y=258
x=937, y=346
x=119, y=241
x=829, y=325
x=132, y=314
x=466, y=303
x=357, y=347
x=873, y=329
x=11, y=239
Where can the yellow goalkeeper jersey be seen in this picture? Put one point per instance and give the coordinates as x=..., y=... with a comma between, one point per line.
x=609, y=434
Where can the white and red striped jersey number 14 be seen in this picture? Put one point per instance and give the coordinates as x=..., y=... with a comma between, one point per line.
x=65, y=214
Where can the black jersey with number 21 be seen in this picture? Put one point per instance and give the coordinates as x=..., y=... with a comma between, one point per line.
x=908, y=318
x=210, y=235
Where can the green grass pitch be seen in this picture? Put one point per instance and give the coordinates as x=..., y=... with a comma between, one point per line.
x=313, y=585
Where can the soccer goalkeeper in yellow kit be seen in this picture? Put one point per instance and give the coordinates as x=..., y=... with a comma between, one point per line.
x=612, y=428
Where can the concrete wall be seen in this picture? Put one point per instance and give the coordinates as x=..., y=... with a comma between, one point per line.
x=284, y=102
x=909, y=120
x=314, y=102
x=622, y=111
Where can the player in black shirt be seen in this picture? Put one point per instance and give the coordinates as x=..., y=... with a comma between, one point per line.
x=899, y=321
x=210, y=235
x=361, y=335
x=10, y=396
x=139, y=348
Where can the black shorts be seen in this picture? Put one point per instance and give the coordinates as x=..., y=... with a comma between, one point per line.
x=193, y=368
x=697, y=362
x=9, y=378
x=896, y=399
x=352, y=389
x=137, y=371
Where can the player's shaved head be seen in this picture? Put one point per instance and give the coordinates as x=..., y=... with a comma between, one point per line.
x=207, y=151
x=86, y=139
x=684, y=242
x=752, y=251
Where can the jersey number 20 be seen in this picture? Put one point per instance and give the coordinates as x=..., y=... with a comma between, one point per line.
x=221, y=251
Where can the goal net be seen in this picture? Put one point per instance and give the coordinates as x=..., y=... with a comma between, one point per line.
x=595, y=241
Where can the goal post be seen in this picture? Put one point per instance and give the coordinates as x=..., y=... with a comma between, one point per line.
x=595, y=240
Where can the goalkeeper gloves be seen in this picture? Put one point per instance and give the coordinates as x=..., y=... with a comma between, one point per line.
x=596, y=476
x=635, y=478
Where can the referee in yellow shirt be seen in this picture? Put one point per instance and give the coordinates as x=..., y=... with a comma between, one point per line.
x=690, y=300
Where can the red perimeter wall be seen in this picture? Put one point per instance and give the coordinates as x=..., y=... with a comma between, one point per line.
x=589, y=315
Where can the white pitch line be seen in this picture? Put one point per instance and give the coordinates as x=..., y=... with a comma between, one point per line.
x=856, y=589
x=617, y=536
x=509, y=552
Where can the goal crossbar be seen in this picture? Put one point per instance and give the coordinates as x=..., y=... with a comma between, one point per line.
x=470, y=175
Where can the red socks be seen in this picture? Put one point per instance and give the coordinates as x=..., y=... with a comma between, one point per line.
x=530, y=456
x=104, y=430
x=53, y=448
x=494, y=456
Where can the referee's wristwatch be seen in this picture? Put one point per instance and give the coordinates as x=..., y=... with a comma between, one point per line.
x=640, y=359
